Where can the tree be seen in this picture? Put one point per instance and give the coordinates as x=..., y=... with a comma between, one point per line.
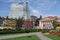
x=37, y=21
x=54, y=24
x=1, y=21
x=40, y=17
x=19, y=23
x=0, y=17
x=3, y=18
x=7, y=17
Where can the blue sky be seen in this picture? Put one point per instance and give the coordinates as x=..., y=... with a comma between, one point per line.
x=37, y=7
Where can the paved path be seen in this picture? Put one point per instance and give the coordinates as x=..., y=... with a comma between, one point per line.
x=42, y=37
x=25, y=34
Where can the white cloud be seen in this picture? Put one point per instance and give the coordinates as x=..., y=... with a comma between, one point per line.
x=15, y=0
x=45, y=4
x=46, y=15
x=36, y=13
x=39, y=5
x=11, y=0
x=31, y=8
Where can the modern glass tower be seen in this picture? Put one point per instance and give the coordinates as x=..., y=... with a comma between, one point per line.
x=20, y=10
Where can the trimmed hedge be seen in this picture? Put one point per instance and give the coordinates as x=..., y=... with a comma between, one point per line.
x=8, y=31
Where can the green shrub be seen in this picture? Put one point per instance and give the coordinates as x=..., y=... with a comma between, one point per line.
x=9, y=31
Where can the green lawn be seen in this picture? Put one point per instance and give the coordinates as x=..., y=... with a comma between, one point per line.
x=34, y=37
x=53, y=37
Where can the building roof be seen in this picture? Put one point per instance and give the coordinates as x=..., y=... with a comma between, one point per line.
x=47, y=19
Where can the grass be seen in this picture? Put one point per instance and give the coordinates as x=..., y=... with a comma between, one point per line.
x=33, y=37
x=53, y=37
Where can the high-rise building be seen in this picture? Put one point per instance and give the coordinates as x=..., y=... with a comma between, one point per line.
x=20, y=10
x=16, y=10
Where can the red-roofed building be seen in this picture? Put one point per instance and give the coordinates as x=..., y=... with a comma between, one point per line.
x=46, y=23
